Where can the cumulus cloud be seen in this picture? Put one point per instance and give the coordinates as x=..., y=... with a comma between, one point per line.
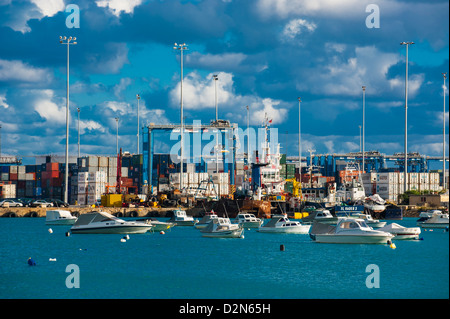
x=90, y=125
x=18, y=71
x=119, y=6
x=199, y=93
x=3, y=101
x=49, y=8
x=296, y=26
x=48, y=109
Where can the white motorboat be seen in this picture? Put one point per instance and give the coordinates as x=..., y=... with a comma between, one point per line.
x=437, y=220
x=375, y=223
x=157, y=224
x=349, y=231
x=284, y=225
x=401, y=232
x=59, y=217
x=104, y=223
x=321, y=215
x=180, y=218
x=222, y=227
x=206, y=220
x=248, y=220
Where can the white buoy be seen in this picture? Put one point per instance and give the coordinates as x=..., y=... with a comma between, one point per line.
x=123, y=240
x=52, y=259
x=162, y=232
x=50, y=231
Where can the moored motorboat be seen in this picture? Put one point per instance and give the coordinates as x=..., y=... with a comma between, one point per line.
x=321, y=215
x=222, y=227
x=157, y=225
x=247, y=220
x=180, y=218
x=437, y=220
x=207, y=218
x=375, y=223
x=104, y=223
x=59, y=217
x=401, y=232
x=348, y=231
x=284, y=225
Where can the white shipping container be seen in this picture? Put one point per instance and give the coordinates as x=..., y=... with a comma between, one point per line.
x=8, y=191
x=82, y=177
x=124, y=171
x=112, y=171
x=97, y=177
x=13, y=169
x=29, y=176
x=92, y=161
x=82, y=188
x=4, y=177
x=81, y=199
x=21, y=169
x=103, y=161
x=21, y=176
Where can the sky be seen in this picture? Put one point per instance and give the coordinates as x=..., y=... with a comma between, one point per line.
x=266, y=53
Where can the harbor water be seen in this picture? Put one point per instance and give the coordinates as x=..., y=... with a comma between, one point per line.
x=181, y=264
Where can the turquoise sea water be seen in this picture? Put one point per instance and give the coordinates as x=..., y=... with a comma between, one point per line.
x=183, y=265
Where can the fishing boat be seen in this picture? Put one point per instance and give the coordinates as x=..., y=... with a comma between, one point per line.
x=59, y=217
x=401, y=232
x=180, y=218
x=247, y=220
x=207, y=218
x=222, y=227
x=348, y=231
x=104, y=223
x=437, y=220
x=284, y=225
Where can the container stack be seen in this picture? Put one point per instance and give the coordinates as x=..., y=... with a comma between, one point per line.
x=391, y=184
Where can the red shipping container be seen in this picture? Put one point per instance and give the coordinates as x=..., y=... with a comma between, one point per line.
x=52, y=167
x=13, y=176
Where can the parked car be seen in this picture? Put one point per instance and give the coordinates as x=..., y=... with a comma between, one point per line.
x=26, y=202
x=41, y=202
x=10, y=203
x=58, y=202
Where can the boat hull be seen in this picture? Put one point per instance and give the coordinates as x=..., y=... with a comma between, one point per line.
x=433, y=225
x=255, y=224
x=61, y=222
x=184, y=222
x=112, y=230
x=234, y=233
x=304, y=229
x=352, y=239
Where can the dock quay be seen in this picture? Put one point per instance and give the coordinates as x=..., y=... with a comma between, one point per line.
x=78, y=210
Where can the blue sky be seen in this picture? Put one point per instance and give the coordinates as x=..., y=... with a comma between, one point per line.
x=266, y=53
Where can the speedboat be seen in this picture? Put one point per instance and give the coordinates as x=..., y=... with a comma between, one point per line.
x=104, y=223
x=180, y=218
x=206, y=220
x=437, y=220
x=248, y=220
x=284, y=225
x=401, y=232
x=59, y=217
x=375, y=223
x=222, y=227
x=349, y=231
